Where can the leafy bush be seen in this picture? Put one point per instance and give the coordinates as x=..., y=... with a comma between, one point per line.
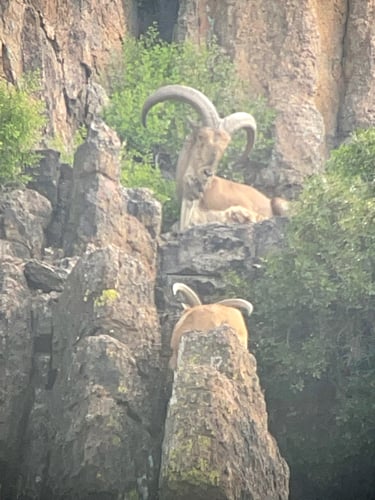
x=21, y=122
x=140, y=172
x=149, y=63
x=356, y=158
x=315, y=310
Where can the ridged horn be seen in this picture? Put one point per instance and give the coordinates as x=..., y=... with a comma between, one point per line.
x=238, y=304
x=202, y=105
x=191, y=297
x=237, y=121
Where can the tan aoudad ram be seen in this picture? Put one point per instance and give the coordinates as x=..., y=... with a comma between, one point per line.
x=204, y=196
x=205, y=317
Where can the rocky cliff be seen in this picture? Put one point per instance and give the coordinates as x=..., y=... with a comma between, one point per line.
x=84, y=385
x=84, y=379
x=312, y=59
x=70, y=44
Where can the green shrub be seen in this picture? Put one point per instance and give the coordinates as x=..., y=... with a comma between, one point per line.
x=315, y=340
x=149, y=63
x=140, y=172
x=21, y=122
x=356, y=157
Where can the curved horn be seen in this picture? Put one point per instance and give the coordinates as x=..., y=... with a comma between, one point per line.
x=239, y=304
x=237, y=121
x=189, y=294
x=202, y=105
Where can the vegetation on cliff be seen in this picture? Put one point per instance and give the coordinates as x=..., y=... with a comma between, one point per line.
x=149, y=63
x=21, y=123
x=315, y=334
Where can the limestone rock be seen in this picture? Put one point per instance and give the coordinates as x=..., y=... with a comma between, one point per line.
x=36, y=435
x=312, y=59
x=357, y=108
x=71, y=44
x=16, y=362
x=59, y=220
x=141, y=203
x=87, y=339
x=216, y=441
x=103, y=403
x=97, y=212
x=204, y=253
x=24, y=215
x=44, y=277
x=45, y=176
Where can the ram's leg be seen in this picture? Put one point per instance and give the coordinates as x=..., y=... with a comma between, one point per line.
x=241, y=215
x=188, y=215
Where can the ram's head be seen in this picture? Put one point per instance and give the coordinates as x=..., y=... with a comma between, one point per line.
x=203, y=195
x=205, y=317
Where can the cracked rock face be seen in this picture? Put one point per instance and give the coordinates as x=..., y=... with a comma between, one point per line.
x=105, y=354
x=24, y=216
x=84, y=380
x=71, y=44
x=312, y=59
x=80, y=411
x=216, y=441
x=15, y=359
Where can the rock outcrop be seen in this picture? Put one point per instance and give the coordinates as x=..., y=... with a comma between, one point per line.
x=80, y=371
x=84, y=379
x=16, y=360
x=216, y=440
x=105, y=357
x=312, y=59
x=24, y=215
x=71, y=44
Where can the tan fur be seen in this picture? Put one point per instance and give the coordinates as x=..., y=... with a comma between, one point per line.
x=204, y=318
x=198, y=159
x=194, y=214
x=221, y=194
x=206, y=197
x=279, y=206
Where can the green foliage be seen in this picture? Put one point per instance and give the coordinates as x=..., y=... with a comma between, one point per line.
x=21, y=122
x=356, y=158
x=67, y=150
x=138, y=171
x=149, y=63
x=315, y=308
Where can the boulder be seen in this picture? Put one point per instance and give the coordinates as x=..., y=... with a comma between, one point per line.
x=16, y=362
x=104, y=401
x=216, y=440
x=24, y=216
